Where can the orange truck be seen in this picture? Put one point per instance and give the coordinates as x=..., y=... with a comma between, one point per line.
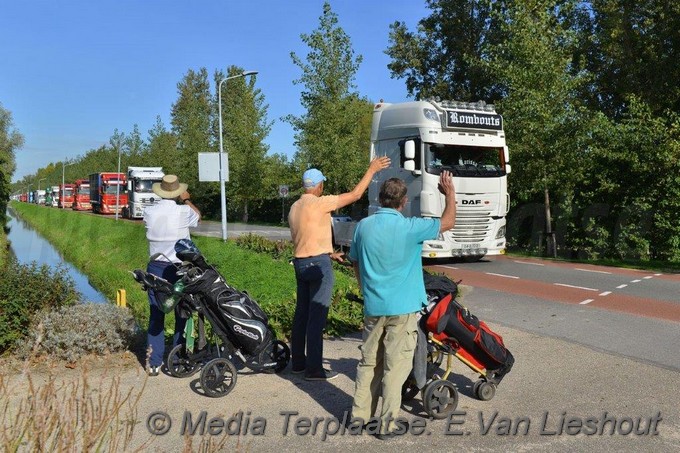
x=81, y=195
x=66, y=195
x=103, y=190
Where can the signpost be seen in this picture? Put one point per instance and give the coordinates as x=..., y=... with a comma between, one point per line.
x=283, y=193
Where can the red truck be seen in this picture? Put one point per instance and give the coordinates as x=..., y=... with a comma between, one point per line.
x=103, y=190
x=81, y=195
x=66, y=195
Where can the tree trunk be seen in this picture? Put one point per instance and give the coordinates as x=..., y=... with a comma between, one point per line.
x=551, y=246
x=245, y=213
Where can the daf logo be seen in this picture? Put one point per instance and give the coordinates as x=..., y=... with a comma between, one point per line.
x=471, y=202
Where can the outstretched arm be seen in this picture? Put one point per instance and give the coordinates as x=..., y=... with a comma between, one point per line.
x=377, y=164
x=448, y=219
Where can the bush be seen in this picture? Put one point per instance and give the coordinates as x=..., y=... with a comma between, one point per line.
x=26, y=289
x=72, y=332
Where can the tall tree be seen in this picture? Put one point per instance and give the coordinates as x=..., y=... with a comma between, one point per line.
x=245, y=127
x=444, y=57
x=191, y=123
x=327, y=135
x=10, y=141
x=162, y=148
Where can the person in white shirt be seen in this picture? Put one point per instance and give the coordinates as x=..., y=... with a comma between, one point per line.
x=166, y=221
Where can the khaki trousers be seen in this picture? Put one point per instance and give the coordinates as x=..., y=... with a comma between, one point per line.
x=386, y=361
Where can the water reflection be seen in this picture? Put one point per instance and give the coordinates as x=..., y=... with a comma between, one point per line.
x=27, y=245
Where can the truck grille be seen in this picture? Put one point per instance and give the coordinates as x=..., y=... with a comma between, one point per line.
x=471, y=226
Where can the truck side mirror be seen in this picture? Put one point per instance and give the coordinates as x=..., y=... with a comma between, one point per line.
x=410, y=150
x=508, y=169
x=410, y=165
x=129, y=186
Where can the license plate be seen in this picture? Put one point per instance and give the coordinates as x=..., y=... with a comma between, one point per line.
x=470, y=246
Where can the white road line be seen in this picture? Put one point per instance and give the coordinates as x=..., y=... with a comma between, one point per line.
x=635, y=281
x=606, y=293
x=449, y=267
x=590, y=270
x=501, y=275
x=586, y=302
x=527, y=262
x=658, y=275
x=621, y=286
x=647, y=277
x=577, y=287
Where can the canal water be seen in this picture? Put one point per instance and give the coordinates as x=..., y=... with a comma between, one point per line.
x=27, y=245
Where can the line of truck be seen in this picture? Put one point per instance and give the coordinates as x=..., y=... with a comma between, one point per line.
x=103, y=193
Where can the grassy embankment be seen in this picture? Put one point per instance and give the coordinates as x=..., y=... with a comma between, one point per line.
x=106, y=251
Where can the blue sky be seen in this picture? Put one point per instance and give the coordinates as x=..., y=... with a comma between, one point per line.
x=73, y=71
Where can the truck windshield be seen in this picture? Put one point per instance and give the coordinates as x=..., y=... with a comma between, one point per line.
x=68, y=192
x=110, y=189
x=470, y=161
x=84, y=190
x=144, y=186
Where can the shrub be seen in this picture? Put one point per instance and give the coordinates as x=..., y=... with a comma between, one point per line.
x=72, y=332
x=26, y=289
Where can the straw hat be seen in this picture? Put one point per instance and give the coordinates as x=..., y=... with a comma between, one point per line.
x=169, y=187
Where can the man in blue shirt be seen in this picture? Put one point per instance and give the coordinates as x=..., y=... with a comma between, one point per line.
x=385, y=253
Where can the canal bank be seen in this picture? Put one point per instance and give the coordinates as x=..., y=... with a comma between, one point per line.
x=27, y=246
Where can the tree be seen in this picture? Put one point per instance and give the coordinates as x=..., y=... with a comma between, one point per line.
x=10, y=141
x=245, y=127
x=191, y=124
x=444, y=58
x=327, y=135
x=162, y=148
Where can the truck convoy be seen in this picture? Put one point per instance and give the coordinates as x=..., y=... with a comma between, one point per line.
x=140, y=181
x=66, y=195
x=103, y=190
x=423, y=138
x=81, y=195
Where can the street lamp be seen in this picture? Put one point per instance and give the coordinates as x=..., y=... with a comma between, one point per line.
x=41, y=179
x=118, y=179
x=223, y=194
x=63, y=189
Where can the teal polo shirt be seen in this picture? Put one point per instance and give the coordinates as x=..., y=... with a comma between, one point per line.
x=387, y=246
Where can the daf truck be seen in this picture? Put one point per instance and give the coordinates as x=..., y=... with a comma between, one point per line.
x=140, y=182
x=424, y=138
x=103, y=190
x=81, y=195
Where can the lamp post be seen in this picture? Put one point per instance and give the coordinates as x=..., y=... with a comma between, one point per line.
x=223, y=194
x=118, y=185
x=41, y=179
x=63, y=189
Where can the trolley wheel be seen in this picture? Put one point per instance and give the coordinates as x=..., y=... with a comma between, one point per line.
x=440, y=398
x=409, y=390
x=484, y=390
x=218, y=377
x=179, y=364
x=278, y=352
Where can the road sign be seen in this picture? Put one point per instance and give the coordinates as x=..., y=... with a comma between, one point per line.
x=283, y=191
x=209, y=167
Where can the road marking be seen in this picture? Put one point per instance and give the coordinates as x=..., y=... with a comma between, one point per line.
x=606, y=293
x=590, y=270
x=577, y=287
x=501, y=275
x=586, y=302
x=621, y=286
x=450, y=267
x=527, y=262
x=658, y=275
x=647, y=277
x=635, y=281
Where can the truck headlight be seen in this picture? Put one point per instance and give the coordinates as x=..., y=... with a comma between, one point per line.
x=501, y=232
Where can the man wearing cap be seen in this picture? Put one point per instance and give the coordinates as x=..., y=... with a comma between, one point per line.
x=166, y=222
x=310, y=227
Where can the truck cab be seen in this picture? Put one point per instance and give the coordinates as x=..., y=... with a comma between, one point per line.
x=107, y=192
x=54, y=196
x=140, y=181
x=81, y=195
x=424, y=138
x=66, y=195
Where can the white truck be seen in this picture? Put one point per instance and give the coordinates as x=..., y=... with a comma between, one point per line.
x=39, y=197
x=423, y=138
x=139, y=187
x=54, y=196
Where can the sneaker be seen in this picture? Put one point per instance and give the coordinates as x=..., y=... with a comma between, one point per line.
x=294, y=371
x=325, y=375
x=153, y=370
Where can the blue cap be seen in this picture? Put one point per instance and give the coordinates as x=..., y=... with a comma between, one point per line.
x=312, y=177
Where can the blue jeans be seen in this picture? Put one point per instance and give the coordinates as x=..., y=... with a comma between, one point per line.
x=156, y=332
x=315, y=280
